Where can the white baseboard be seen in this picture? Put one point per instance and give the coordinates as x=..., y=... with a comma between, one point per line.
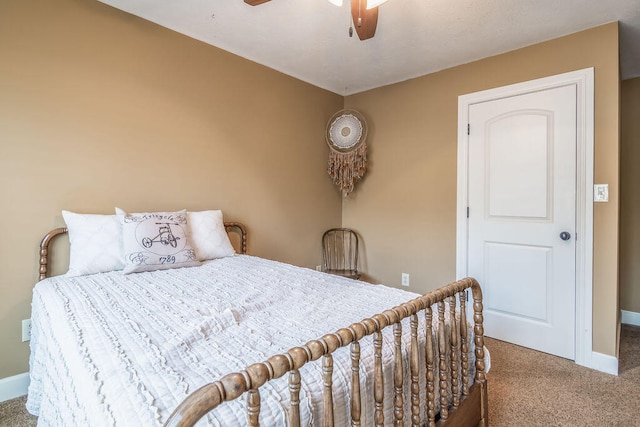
x=15, y=386
x=604, y=363
x=630, y=318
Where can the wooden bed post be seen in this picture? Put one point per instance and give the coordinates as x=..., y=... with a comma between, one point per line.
x=44, y=250
x=242, y=231
x=478, y=330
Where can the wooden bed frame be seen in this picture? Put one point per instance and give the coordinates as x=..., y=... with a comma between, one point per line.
x=464, y=406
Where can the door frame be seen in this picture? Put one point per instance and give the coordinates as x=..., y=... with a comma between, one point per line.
x=584, y=81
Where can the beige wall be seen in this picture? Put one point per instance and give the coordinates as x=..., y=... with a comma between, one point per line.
x=101, y=109
x=405, y=208
x=97, y=107
x=630, y=196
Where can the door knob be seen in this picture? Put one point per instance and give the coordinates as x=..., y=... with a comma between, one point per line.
x=565, y=235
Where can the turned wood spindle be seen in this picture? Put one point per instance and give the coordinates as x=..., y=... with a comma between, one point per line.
x=430, y=374
x=413, y=365
x=44, y=261
x=294, y=391
x=378, y=380
x=478, y=330
x=398, y=377
x=356, y=400
x=253, y=407
x=327, y=402
x=442, y=366
x=464, y=343
x=44, y=251
x=453, y=354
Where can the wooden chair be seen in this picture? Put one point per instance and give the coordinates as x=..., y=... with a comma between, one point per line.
x=340, y=252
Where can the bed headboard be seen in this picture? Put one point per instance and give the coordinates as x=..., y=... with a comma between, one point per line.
x=236, y=227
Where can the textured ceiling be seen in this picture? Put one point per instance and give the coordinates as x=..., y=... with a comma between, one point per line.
x=308, y=39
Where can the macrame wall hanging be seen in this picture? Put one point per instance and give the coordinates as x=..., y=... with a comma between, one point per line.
x=346, y=134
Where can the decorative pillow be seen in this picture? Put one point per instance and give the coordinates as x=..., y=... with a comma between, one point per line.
x=208, y=235
x=96, y=243
x=156, y=241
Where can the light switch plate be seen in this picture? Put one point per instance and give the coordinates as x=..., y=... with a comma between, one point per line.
x=601, y=193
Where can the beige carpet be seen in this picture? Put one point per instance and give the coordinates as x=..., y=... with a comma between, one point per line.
x=14, y=414
x=526, y=388
x=529, y=388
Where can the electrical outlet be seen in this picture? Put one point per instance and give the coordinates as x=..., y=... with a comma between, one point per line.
x=405, y=279
x=26, y=330
x=318, y=268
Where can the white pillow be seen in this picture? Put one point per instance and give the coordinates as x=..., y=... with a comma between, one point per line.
x=208, y=235
x=156, y=241
x=96, y=243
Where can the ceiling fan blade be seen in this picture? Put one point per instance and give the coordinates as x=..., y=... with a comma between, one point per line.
x=364, y=20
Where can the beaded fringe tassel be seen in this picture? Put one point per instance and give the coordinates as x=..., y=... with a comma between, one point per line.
x=345, y=169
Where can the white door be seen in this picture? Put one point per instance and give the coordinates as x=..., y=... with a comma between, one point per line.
x=522, y=217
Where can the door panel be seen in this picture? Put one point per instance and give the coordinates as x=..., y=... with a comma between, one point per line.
x=518, y=187
x=526, y=297
x=522, y=186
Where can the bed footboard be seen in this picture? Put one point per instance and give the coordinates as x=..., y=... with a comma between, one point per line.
x=445, y=356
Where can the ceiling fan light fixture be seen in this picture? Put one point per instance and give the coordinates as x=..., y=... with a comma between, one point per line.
x=372, y=3
x=336, y=2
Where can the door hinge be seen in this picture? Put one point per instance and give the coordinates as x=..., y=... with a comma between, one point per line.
x=467, y=211
x=468, y=129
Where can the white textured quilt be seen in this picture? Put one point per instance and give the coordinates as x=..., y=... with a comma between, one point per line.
x=113, y=349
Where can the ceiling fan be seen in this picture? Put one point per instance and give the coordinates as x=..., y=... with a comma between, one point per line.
x=363, y=12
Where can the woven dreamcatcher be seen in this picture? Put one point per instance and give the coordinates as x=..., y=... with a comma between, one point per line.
x=346, y=134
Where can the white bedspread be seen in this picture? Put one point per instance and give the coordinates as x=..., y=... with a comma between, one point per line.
x=113, y=349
